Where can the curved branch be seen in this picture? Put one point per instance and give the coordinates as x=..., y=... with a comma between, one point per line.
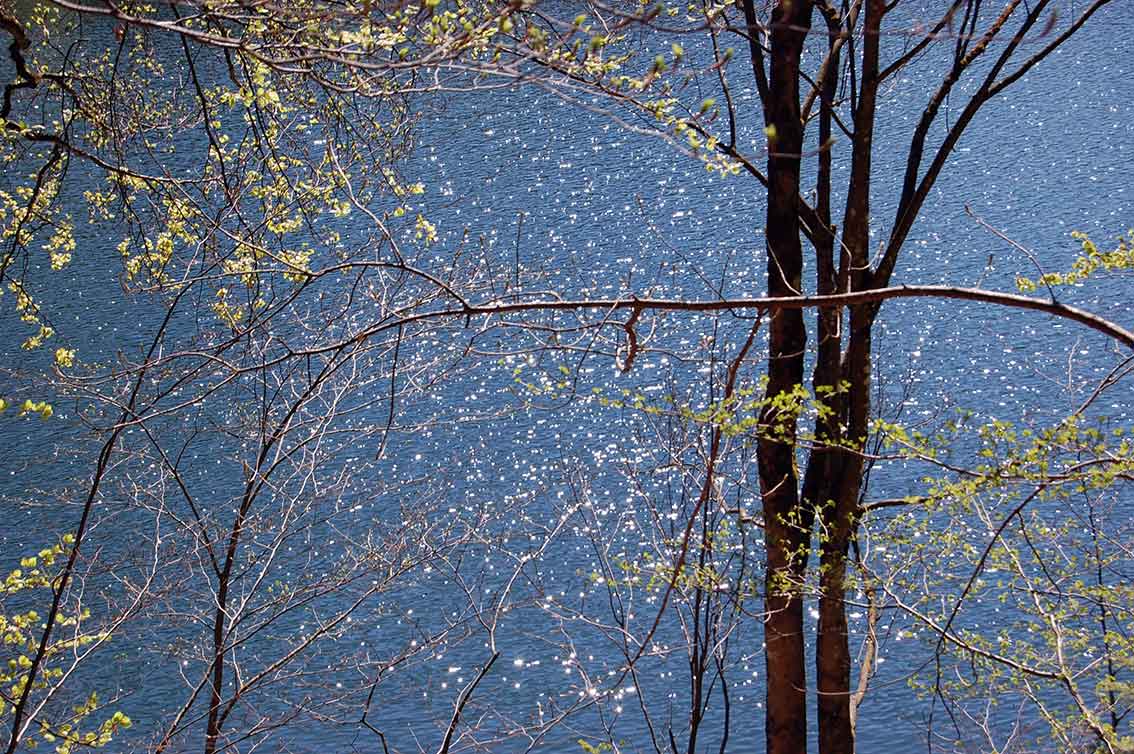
x=766, y=304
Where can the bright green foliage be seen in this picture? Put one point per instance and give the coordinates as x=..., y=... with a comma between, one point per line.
x=598, y=748
x=1033, y=526
x=294, y=113
x=1035, y=533
x=275, y=124
x=68, y=729
x=41, y=408
x=748, y=414
x=1090, y=262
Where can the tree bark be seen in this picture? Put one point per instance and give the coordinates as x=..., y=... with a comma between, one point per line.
x=839, y=502
x=787, y=525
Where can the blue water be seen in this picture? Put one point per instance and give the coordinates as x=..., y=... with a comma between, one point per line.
x=555, y=488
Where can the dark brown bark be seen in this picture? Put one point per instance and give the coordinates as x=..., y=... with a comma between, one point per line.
x=822, y=482
x=787, y=526
x=832, y=483
x=701, y=640
x=212, y=727
x=827, y=371
x=838, y=499
x=840, y=514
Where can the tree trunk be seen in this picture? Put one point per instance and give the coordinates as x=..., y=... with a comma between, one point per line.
x=787, y=525
x=839, y=508
x=823, y=482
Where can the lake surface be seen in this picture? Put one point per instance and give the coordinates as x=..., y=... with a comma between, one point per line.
x=559, y=193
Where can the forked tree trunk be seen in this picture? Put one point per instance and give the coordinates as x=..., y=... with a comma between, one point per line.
x=833, y=480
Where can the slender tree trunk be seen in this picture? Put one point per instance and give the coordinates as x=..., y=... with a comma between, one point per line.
x=839, y=509
x=216, y=689
x=700, y=639
x=840, y=517
x=787, y=525
x=824, y=480
x=220, y=618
